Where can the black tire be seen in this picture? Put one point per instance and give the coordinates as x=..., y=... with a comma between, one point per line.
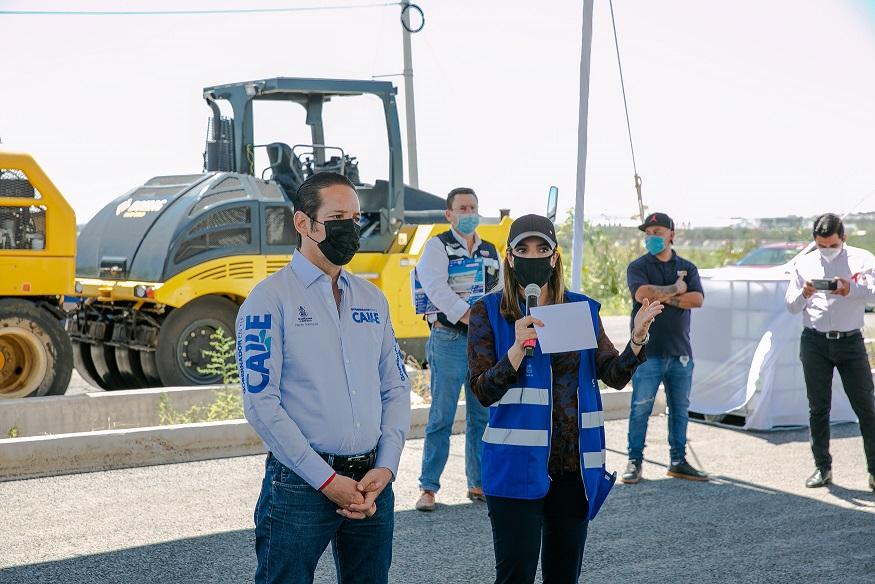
x=128, y=363
x=85, y=366
x=36, y=357
x=185, y=333
x=150, y=369
x=103, y=357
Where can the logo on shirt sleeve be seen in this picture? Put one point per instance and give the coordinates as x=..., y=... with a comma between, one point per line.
x=253, y=352
x=399, y=362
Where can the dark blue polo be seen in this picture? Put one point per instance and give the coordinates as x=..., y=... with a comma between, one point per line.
x=670, y=332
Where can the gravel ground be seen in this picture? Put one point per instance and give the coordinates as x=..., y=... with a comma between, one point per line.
x=192, y=522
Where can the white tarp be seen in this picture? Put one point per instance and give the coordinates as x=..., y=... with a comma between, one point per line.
x=746, y=350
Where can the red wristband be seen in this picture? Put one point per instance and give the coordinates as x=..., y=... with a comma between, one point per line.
x=328, y=482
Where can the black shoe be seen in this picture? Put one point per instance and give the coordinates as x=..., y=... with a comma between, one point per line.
x=684, y=470
x=633, y=472
x=872, y=481
x=820, y=478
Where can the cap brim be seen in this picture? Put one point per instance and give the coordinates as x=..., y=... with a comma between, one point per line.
x=513, y=242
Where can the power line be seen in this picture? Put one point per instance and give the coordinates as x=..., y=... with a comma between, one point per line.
x=191, y=12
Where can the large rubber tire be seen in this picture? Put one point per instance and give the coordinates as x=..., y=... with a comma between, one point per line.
x=185, y=333
x=85, y=366
x=128, y=363
x=36, y=357
x=103, y=356
x=149, y=364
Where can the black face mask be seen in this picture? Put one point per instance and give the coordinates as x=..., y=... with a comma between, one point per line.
x=532, y=270
x=341, y=240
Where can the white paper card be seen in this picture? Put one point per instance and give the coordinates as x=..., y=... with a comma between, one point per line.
x=567, y=327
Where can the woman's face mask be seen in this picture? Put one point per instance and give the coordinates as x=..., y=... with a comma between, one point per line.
x=536, y=271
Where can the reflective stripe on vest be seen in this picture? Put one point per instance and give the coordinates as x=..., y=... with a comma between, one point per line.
x=592, y=420
x=515, y=436
x=534, y=396
x=593, y=459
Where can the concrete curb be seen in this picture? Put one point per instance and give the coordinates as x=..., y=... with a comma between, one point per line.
x=104, y=449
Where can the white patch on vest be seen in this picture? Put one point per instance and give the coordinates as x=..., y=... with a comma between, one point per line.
x=594, y=459
x=685, y=360
x=591, y=420
x=533, y=396
x=515, y=437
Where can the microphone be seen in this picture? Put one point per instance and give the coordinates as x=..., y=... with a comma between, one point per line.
x=532, y=292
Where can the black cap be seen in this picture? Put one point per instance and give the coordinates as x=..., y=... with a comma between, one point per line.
x=657, y=220
x=532, y=226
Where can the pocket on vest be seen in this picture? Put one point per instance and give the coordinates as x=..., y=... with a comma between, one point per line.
x=514, y=472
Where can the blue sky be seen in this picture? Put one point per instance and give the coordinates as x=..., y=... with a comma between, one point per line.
x=739, y=109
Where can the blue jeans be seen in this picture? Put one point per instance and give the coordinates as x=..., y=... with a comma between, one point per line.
x=447, y=353
x=677, y=375
x=294, y=523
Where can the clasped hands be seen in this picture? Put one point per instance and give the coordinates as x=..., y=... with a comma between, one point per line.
x=357, y=500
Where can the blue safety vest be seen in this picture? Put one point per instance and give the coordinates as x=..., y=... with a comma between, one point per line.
x=516, y=443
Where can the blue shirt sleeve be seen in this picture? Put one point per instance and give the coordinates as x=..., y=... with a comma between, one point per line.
x=395, y=396
x=635, y=277
x=260, y=359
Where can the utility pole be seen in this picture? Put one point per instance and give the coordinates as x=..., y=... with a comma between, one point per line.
x=583, y=114
x=412, y=166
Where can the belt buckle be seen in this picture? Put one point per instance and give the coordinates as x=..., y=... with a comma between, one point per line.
x=833, y=335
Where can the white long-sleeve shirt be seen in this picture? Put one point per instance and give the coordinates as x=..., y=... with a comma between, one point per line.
x=823, y=310
x=432, y=270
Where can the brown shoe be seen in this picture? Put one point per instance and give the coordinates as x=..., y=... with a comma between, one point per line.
x=426, y=501
x=476, y=494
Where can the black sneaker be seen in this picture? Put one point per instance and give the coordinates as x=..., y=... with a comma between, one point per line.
x=821, y=478
x=633, y=472
x=684, y=470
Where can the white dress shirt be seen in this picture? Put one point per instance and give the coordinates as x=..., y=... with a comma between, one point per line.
x=432, y=270
x=823, y=310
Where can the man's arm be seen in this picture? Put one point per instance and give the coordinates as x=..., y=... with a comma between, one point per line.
x=432, y=273
x=660, y=293
x=395, y=395
x=796, y=297
x=260, y=358
x=686, y=301
x=694, y=297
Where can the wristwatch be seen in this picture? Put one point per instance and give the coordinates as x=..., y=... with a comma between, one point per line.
x=642, y=343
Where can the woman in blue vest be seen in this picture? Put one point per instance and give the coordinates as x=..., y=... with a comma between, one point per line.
x=544, y=448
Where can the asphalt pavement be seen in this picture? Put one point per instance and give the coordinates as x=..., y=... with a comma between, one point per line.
x=192, y=523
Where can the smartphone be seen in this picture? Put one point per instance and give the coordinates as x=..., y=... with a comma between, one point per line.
x=825, y=284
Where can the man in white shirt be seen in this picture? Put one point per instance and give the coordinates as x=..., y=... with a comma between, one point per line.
x=447, y=347
x=831, y=286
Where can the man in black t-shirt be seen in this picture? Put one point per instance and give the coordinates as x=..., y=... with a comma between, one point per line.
x=662, y=275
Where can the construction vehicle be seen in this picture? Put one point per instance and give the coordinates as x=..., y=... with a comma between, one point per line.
x=37, y=261
x=163, y=267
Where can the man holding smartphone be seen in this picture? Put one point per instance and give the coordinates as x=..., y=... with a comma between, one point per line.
x=831, y=287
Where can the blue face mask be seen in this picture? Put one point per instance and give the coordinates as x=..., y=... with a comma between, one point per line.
x=654, y=244
x=468, y=223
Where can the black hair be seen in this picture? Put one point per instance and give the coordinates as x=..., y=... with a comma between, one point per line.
x=827, y=225
x=459, y=191
x=308, y=198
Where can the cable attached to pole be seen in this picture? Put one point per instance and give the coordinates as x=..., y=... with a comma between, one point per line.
x=638, y=180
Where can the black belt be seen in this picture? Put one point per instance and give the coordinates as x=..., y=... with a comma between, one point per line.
x=352, y=466
x=833, y=335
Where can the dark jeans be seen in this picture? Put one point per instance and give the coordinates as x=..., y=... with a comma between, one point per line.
x=819, y=356
x=553, y=527
x=294, y=523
